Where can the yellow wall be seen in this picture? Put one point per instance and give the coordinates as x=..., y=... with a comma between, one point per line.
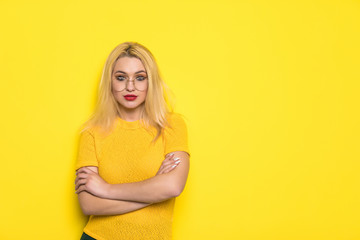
x=270, y=90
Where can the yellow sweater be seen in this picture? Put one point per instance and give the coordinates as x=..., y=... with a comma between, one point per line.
x=126, y=156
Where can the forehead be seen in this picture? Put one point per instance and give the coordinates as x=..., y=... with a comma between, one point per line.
x=128, y=65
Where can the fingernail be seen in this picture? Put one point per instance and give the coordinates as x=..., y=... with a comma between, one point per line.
x=176, y=159
x=177, y=162
x=173, y=166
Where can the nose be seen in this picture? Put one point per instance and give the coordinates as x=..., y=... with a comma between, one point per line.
x=130, y=86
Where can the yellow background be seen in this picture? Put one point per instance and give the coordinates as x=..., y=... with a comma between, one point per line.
x=270, y=91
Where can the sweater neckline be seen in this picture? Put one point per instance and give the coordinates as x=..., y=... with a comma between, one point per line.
x=127, y=124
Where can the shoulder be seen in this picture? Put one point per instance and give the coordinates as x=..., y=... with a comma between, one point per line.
x=175, y=118
x=176, y=122
x=96, y=132
x=175, y=134
x=87, y=131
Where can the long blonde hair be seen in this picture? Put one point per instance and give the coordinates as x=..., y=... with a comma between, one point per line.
x=157, y=102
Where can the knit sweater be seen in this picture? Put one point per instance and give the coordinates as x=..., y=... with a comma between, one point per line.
x=127, y=155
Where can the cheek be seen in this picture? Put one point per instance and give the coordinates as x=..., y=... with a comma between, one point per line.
x=144, y=94
x=118, y=97
x=115, y=86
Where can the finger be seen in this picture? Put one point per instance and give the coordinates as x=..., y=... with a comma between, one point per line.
x=82, y=175
x=171, y=167
x=169, y=155
x=90, y=169
x=166, y=164
x=76, y=180
x=80, y=189
x=80, y=170
x=171, y=161
x=162, y=168
x=80, y=182
x=84, y=170
x=166, y=160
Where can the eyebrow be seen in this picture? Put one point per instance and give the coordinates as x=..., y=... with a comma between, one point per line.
x=125, y=72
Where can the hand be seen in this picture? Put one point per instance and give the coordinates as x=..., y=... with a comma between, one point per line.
x=168, y=164
x=90, y=181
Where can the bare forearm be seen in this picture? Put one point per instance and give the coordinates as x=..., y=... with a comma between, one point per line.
x=155, y=189
x=92, y=205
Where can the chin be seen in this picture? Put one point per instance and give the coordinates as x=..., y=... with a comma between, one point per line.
x=131, y=105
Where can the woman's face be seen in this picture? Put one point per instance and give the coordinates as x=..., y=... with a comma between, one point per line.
x=129, y=84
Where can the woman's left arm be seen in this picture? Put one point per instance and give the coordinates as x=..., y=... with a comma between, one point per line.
x=155, y=189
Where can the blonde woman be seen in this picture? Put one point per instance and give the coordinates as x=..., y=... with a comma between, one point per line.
x=133, y=158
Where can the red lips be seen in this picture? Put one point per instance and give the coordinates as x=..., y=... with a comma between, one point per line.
x=130, y=97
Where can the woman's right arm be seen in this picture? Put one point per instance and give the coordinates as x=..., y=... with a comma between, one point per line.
x=93, y=205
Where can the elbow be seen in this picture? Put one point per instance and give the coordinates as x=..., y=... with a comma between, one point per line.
x=176, y=193
x=86, y=210
x=90, y=211
x=87, y=213
x=176, y=190
x=86, y=205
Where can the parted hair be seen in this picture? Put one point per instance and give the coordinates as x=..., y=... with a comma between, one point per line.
x=157, y=102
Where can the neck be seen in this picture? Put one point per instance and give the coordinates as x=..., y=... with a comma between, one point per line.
x=130, y=115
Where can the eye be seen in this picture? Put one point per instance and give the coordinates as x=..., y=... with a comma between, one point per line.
x=120, y=78
x=140, y=78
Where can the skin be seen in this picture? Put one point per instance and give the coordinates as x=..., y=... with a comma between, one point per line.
x=94, y=205
x=96, y=196
x=133, y=68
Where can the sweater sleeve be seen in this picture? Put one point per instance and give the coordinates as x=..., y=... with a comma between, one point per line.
x=87, y=152
x=176, y=136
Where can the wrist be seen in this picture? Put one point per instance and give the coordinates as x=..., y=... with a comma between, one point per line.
x=108, y=191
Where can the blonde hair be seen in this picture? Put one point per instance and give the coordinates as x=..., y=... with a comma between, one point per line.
x=157, y=103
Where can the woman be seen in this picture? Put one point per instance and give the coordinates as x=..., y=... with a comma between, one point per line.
x=133, y=158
